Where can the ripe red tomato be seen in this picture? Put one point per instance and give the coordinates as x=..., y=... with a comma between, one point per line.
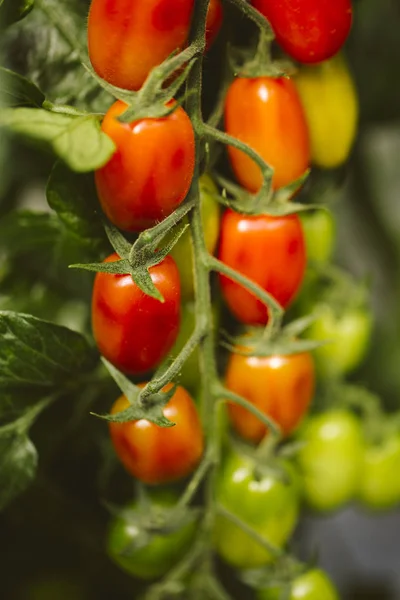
x=309, y=30
x=280, y=386
x=127, y=39
x=268, y=250
x=214, y=21
x=132, y=330
x=266, y=113
x=156, y=454
x=151, y=170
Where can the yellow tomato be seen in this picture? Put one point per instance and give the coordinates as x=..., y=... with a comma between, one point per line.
x=330, y=102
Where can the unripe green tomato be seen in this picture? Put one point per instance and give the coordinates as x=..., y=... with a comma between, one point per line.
x=347, y=335
x=182, y=252
x=312, y=585
x=380, y=480
x=161, y=553
x=319, y=229
x=330, y=460
x=330, y=102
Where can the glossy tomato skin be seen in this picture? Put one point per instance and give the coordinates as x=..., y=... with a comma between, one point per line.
x=267, y=114
x=268, y=250
x=280, y=386
x=310, y=31
x=132, y=330
x=154, y=454
x=265, y=503
x=380, y=483
x=215, y=16
x=312, y=585
x=127, y=38
x=331, y=459
x=151, y=170
x=324, y=90
x=162, y=551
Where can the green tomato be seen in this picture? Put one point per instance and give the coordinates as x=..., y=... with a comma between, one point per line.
x=330, y=459
x=347, y=334
x=182, y=252
x=312, y=585
x=380, y=483
x=161, y=553
x=264, y=502
x=319, y=229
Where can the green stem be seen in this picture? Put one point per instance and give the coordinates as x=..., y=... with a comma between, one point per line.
x=249, y=11
x=195, y=482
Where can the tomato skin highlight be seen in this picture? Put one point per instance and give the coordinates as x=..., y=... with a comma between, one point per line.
x=151, y=170
x=312, y=585
x=280, y=386
x=266, y=113
x=128, y=38
x=268, y=250
x=154, y=454
x=310, y=31
x=132, y=330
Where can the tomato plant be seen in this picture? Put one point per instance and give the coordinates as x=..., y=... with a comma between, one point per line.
x=215, y=15
x=132, y=330
x=379, y=488
x=311, y=31
x=280, y=386
x=267, y=114
x=268, y=250
x=311, y=585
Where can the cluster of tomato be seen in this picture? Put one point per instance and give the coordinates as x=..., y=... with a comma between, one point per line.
x=291, y=123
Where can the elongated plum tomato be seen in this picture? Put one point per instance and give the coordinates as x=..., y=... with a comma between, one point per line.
x=128, y=38
x=156, y=454
x=132, y=330
x=150, y=172
x=280, y=386
x=266, y=113
x=268, y=250
x=310, y=31
x=214, y=21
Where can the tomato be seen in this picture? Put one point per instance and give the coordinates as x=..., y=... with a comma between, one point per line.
x=132, y=330
x=380, y=484
x=214, y=21
x=156, y=454
x=331, y=459
x=268, y=250
x=280, y=386
x=263, y=501
x=127, y=39
x=310, y=31
x=151, y=170
x=312, y=585
x=161, y=552
x=267, y=114
x=324, y=90
x=182, y=252
x=319, y=229
x=347, y=333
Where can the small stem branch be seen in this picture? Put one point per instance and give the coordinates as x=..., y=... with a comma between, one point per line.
x=253, y=14
x=195, y=482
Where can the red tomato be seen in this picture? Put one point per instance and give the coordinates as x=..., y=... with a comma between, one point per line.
x=156, y=454
x=280, y=386
x=268, y=250
x=127, y=38
x=151, y=170
x=132, y=330
x=214, y=21
x=267, y=114
x=309, y=30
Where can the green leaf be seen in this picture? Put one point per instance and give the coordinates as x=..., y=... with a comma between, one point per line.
x=77, y=140
x=34, y=352
x=14, y=10
x=19, y=91
x=24, y=231
x=18, y=463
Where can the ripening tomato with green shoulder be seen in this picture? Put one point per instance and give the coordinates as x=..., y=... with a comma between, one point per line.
x=127, y=39
x=268, y=250
x=330, y=459
x=132, y=330
x=266, y=113
x=162, y=551
x=281, y=386
x=319, y=228
x=380, y=481
x=330, y=102
x=151, y=170
x=310, y=31
x=264, y=501
x=311, y=585
x=155, y=454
